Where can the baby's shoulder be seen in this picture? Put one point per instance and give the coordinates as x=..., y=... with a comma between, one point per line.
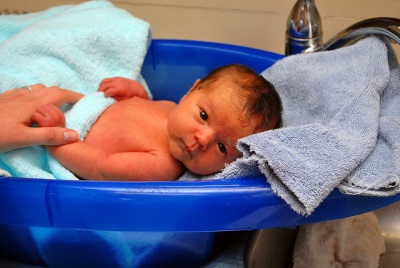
x=152, y=104
x=167, y=104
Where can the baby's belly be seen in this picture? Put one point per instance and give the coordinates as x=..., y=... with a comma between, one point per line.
x=120, y=128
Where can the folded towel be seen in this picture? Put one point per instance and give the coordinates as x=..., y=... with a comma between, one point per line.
x=340, y=123
x=379, y=174
x=74, y=47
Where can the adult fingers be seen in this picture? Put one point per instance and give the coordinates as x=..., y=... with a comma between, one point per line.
x=38, y=94
x=48, y=136
x=59, y=96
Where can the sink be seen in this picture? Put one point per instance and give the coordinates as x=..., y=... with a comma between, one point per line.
x=274, y=247
x=389, y=222
x=271, y=248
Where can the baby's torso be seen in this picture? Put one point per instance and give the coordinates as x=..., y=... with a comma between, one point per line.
x=135, y=124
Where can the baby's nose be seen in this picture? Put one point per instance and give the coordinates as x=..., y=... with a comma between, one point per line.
x=205, y=135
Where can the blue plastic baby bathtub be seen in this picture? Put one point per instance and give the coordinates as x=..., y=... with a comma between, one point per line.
x=152, y=224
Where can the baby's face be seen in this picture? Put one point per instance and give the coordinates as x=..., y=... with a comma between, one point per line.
x=204, y=127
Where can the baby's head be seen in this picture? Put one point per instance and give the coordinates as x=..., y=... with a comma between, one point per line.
x=231, y=102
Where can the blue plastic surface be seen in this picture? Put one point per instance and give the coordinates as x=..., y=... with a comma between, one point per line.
x=171, y=66
x=186, y=212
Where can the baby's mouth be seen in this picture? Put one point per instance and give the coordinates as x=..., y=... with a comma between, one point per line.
x=191, y=147
x=186, y=149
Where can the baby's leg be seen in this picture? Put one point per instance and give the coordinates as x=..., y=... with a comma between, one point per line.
x=49, y=115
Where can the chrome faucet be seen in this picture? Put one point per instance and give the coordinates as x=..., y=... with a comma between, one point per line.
x=304, y=30
x=388, y=27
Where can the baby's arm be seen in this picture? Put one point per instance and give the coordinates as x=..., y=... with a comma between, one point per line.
x=92, y=163
x=121, y=88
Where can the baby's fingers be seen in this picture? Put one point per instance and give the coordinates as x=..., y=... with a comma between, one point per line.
x=105, y=84
x=48, y=116
x=111, y=92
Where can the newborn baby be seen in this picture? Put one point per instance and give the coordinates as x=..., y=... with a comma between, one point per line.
x=140, y=139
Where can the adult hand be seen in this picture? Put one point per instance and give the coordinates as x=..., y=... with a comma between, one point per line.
x=16, y=109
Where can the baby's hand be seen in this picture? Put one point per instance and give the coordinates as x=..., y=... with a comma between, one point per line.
x=49, y=115
x=121, y=88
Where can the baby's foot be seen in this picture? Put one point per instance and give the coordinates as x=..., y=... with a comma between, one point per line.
x=49, y=115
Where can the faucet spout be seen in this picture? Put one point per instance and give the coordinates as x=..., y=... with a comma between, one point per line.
x=388, y=27
x=304, y=30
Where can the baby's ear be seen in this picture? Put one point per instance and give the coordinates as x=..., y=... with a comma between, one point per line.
x=193, y=87
x=195, y=84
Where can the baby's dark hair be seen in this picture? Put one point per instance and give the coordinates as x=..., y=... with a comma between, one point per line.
x=262, y=101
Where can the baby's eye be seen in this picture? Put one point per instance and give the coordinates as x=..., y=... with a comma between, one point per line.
x=203, y=115
x=222, y=148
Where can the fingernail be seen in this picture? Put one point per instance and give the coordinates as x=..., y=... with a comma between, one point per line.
x=70, y=136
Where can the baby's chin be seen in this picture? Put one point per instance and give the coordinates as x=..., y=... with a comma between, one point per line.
x=203, y=171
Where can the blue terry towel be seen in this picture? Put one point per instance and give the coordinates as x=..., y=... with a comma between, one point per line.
x=341, y=122
x=74, y=47
x=341, y=125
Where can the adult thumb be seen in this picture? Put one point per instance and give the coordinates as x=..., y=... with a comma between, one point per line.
x=51, y=136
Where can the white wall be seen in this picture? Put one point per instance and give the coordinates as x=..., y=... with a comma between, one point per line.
x=255, y=23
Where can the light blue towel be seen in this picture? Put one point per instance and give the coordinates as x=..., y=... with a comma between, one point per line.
x=341, y=126
x=74, y=47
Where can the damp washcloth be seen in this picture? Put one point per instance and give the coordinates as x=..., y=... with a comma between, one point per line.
x=350, y=242
x=73, y=47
